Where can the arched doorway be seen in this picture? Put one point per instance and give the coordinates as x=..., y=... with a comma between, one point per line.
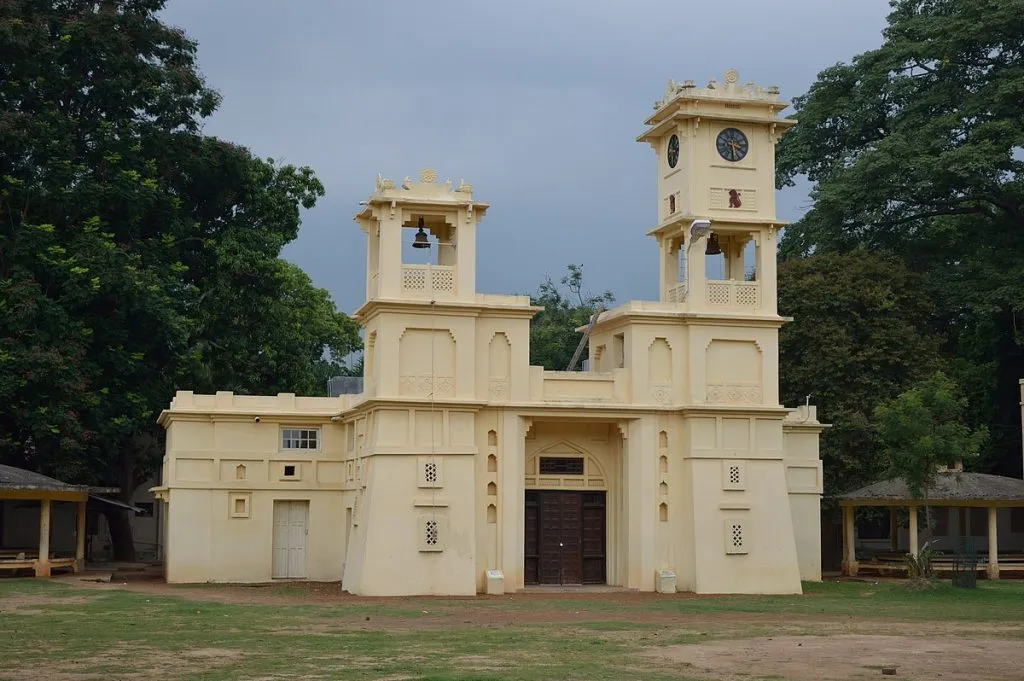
x=566, y=521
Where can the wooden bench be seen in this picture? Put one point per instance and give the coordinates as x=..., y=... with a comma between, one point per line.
x=28, y=559
x=893, y=563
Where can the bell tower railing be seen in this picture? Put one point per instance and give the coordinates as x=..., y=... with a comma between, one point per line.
x=677, y=293
x=729, y=293
x=428, y=280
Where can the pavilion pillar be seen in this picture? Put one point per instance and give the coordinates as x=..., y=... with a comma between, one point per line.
x=993, y=543
x=80, y=537
x=849, y=542
x=894, y=531
x=42, y=566
x=913, y=531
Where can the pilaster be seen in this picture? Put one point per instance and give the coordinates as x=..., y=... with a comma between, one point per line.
x=512, y=467
x=642, y=519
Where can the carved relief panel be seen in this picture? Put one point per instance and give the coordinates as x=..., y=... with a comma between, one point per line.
x=734, y=372
x=426, y=359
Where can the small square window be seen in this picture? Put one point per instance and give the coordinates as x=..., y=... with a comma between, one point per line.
x=290, y=471
x=300, y=438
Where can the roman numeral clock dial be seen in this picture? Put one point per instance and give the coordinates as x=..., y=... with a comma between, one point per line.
x=732, y=145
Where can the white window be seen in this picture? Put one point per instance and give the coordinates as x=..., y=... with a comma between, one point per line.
x=300, y=438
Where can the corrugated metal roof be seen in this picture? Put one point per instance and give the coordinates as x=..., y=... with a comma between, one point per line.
x=952, y=486
x=19, y=478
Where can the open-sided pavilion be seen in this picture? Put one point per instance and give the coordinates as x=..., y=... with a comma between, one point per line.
x=24, y=495
x=952, y=489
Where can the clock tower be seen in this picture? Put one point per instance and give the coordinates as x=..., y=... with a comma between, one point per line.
x=716, y=164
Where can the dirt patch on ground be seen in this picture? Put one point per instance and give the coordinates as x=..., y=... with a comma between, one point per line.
x=28, y=604
x=848, y=658
x=132, y=663
x=402, y=614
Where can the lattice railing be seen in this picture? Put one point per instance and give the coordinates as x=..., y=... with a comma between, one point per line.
x=425, y=280
x=677, y=293
x=746, y=294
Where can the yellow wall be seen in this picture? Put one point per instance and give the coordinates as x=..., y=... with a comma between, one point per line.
x=418, y=484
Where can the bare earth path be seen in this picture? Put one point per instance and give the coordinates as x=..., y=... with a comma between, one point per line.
x=834, y=633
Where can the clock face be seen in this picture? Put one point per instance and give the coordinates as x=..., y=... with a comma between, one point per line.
x=732, y=145
x=673, y=151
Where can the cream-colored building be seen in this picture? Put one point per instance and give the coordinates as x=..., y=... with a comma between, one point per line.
x=669, y=464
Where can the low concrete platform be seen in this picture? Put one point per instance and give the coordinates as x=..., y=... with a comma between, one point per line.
x=575, y=589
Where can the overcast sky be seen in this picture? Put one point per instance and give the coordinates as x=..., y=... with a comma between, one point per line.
x=537, y=103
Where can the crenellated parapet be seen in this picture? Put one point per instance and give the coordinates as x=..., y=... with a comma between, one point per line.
x=427, y=188
x=729, y=88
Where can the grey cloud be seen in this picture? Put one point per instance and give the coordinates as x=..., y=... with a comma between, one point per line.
x=535, y=102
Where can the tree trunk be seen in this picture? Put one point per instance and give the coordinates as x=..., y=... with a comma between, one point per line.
x=121, y=540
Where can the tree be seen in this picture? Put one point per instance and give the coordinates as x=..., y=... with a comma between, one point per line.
x=860, y=334
x=915, y=149
x=553, y=335
x=136, y=255
x=922, y=430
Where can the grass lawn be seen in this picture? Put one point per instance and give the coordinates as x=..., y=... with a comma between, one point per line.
x=66, y=632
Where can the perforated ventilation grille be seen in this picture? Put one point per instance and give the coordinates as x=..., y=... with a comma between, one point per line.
x=734, y=475
x=735, y=537
x=551, y=465
x=431, y=532
x=430, y=472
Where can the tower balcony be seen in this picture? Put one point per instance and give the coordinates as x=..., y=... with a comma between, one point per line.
x=735, y=294
x=727, y=294
x=428, y=281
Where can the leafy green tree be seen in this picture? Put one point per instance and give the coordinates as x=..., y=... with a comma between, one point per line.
x=922, y=430
x=553, y=335
x=136, y=255
x=860, y=334
x=916, y=148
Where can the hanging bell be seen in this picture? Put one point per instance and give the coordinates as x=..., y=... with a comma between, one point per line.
x=713, y=247
x=421, y=240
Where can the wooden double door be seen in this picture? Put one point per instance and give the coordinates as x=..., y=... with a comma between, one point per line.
x=565, y=537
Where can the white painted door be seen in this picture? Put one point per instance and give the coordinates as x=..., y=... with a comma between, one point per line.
x=289, y=545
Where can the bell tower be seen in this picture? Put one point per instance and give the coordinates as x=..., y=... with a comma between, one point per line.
x=716, y=193
x=444, y=221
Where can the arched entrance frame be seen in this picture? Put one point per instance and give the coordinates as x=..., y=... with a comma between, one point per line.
x=600, y=445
